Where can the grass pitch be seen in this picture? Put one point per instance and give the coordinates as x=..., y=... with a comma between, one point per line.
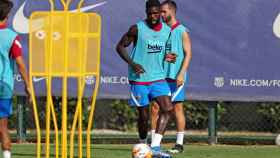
x=191, y=151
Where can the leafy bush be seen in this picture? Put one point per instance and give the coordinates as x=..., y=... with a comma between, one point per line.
x=122, y=116
x=271, y=116
x=197, y=114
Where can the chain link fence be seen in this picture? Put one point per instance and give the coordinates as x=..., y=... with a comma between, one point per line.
x=222, y=122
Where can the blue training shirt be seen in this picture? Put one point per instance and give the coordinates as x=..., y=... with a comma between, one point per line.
x=175, y=45
x=149, y=52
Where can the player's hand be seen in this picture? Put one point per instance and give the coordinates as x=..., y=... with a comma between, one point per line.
x=29, y=96
x=180, y=80
x=138, y=69
x=170, y=57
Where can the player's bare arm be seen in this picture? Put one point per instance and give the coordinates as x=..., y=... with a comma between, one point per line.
x=126, y=40
x=23, y=73
x=187, y=58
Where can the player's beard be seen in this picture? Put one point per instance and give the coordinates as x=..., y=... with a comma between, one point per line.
x=155, y=22
x=167, y=19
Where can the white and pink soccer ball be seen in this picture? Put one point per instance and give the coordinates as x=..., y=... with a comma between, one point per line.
x=141, y=151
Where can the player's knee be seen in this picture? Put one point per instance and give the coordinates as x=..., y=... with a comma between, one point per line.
x=155, y=109
x=167, y=109
x=165, y=104
x=178, y=109
x=3, y=130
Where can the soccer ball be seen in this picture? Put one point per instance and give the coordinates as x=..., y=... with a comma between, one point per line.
x=277, y=140
x=141, y=151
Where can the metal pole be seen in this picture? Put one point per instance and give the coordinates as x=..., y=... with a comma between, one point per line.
x=212, y=123
x=21, y=128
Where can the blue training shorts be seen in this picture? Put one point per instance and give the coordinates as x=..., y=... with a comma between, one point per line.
x=6, y=108
x=142, y=95
x=178, y=94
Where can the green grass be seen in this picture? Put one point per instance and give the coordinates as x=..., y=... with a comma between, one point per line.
x=191, y=151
